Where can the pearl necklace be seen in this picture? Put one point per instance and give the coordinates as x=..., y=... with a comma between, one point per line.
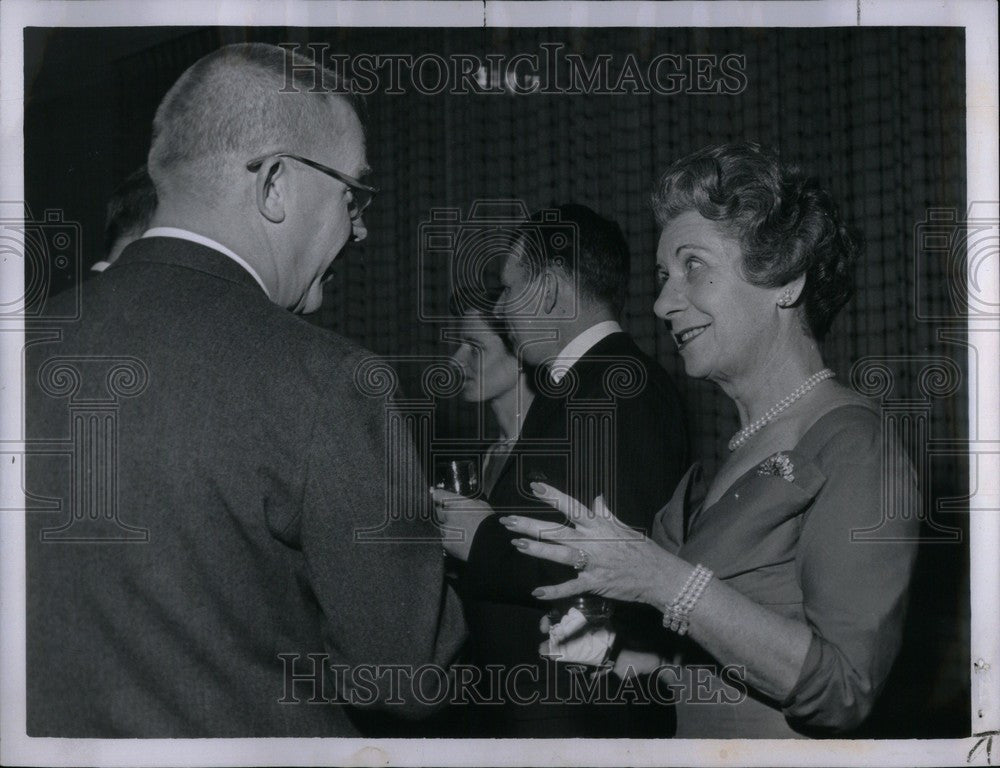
x=780, y=407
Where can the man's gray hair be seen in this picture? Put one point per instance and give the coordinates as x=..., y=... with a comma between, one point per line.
x=237, y=103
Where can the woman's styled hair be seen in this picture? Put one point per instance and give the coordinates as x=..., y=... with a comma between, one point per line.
x=786, y=224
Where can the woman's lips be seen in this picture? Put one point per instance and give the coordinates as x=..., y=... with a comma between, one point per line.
x=684, y=337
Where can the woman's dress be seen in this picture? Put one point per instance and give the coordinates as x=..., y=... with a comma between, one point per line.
x=824, y=533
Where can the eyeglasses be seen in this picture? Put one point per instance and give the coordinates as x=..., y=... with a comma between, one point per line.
x=361, y=194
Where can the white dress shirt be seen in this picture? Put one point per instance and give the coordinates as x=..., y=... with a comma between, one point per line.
x=194, y=237
x=579, y=346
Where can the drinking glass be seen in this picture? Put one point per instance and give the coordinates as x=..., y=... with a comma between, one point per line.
x=596, y=609
x=457, y=475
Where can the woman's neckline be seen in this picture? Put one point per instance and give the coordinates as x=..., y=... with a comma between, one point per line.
x=854, y=402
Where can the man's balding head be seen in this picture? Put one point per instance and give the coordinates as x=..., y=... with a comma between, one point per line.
x=239, y=147
x=239, y=102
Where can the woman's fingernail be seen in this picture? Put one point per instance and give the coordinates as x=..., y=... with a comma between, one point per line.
x=520, y=543
x=538, y=593
x=508, y=521
x=538, y=489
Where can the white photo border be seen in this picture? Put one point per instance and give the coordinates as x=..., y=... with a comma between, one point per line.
x=979, y=19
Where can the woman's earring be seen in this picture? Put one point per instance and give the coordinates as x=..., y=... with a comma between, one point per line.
x=786, y=297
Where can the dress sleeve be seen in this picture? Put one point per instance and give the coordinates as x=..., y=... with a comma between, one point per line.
x=855, y=559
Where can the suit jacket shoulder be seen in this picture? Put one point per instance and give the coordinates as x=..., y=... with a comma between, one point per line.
x=246, y=453
x=614, y=427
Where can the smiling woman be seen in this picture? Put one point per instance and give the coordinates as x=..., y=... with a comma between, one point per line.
x=720, y=321
x=785, y=622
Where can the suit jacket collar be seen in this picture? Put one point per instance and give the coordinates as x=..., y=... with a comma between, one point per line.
x=617, y=343
x=545, y=409
x=186, y=255
x=580, y=345
x=195, y=237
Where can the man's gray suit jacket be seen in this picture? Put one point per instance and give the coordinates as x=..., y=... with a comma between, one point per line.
x=211, y=530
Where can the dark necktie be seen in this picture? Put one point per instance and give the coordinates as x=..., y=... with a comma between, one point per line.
x=496, y=459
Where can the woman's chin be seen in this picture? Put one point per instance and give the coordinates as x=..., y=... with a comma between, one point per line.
x=471, y=394
x=694, y=368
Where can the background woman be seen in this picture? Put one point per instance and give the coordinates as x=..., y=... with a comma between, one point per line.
x=768, y=572
x=491, y=374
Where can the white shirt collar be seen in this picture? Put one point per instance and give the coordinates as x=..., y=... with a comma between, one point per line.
x=100, y=266
x=579, y=346
x=194, y=237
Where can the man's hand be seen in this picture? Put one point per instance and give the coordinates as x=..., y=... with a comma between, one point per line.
x=459, y=518
x=633, y=663
x=574, y=641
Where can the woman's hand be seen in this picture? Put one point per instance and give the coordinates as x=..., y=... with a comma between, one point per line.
x=613, y=560
x=621, y=564
x=459, y=518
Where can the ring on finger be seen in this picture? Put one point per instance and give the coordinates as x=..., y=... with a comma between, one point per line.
x=581, y=560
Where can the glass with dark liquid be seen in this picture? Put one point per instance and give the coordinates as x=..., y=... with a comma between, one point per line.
x=457, y=475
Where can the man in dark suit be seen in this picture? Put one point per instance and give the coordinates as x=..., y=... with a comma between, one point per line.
x=606, y=421
x=237, y=550
x=129, y=212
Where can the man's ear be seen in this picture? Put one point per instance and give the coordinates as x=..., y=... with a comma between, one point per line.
x=550, y=291
x=271, y=190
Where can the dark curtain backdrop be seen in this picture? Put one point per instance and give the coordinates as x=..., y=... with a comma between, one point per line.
x=877, y=114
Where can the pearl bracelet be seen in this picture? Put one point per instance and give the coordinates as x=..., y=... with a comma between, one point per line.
x=677, y=613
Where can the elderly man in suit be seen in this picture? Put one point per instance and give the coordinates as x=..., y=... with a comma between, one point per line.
x=256, y=580
x=607, y=421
